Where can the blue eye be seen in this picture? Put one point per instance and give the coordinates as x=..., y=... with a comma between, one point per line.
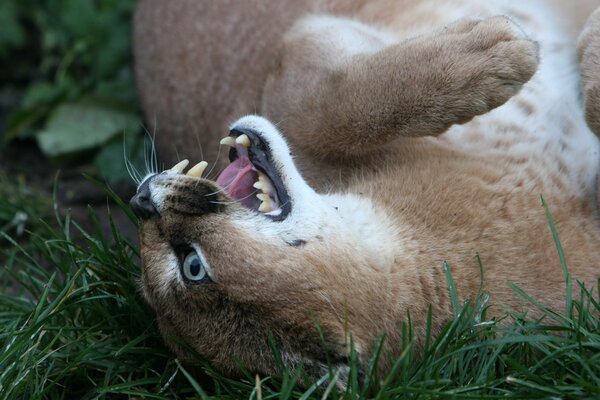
x=193, y=267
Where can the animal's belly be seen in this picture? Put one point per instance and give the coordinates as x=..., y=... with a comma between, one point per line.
x=541, y=131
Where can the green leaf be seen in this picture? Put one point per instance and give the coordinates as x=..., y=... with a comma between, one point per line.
x=39, y=93
x=77, y=127
x=11, y=33
x=79, y=18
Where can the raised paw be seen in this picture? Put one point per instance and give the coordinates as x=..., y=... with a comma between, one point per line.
x=589, y=58
x=363, y=100
x=488, y=60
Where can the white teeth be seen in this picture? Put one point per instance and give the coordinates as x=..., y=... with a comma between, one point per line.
x=259, y=185
x=228, y=141
x=244, y=140
x=263, y=184
x=266, y=206
x=198, y=169
x=266, y=187
x=180, y=166
x=263, y=197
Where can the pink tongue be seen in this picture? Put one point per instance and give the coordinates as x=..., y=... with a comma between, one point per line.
x=238, y=180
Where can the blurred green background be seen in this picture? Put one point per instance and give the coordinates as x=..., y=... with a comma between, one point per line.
x=67, y=84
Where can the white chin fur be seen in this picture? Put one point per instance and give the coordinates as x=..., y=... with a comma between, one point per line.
x=340, y=218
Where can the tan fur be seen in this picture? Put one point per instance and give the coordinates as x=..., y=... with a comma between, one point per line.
x=199, y=65
x=366, y=126
x=420, y=87
x=589, y=57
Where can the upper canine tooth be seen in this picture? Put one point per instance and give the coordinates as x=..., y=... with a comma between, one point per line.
x=180, y=166
x=244, y=140
x=228, y=141
x=198, y=169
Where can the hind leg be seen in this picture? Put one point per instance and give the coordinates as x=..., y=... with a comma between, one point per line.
x=340, y=88
x=589, y=58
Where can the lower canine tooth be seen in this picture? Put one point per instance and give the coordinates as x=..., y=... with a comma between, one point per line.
x=228, y=141
x=198, y=169
x=180, y=166
x=244, y=140
x=266, y=206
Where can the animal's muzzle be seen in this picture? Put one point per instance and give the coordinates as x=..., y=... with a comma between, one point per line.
x=141, y=204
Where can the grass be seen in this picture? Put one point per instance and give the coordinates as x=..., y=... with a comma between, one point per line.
x=72, y=322
x=73, y=325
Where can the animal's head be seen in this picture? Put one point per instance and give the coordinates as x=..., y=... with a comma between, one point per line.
x=258, y=254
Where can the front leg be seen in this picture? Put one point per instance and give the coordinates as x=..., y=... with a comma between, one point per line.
x=340, y=88
x=589, y=58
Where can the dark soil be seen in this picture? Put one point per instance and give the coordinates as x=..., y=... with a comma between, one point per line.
x=74, y=192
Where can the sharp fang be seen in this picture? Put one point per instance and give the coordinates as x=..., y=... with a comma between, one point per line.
x=263, y=197
x=265, y=207
x=228, y=141
x=263, y=183
x=198, y=169
x=180, y=166
x=244, y=140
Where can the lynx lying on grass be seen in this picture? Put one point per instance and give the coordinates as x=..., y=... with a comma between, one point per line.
x=369, y=113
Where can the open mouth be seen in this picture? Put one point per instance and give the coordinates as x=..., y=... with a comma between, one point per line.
x=251, y=178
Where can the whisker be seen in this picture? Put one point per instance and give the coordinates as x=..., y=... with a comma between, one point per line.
x=214, y=164
x=283, y=204
x=136, y=172
x=146, y=164
x=131, y=170
x=236, y=200
x=152, y=166
x=221, y=190
x=154, y=156
x=197, y=136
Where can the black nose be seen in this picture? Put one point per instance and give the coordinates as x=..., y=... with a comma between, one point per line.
x=141, y=204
